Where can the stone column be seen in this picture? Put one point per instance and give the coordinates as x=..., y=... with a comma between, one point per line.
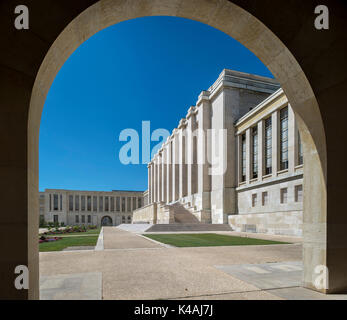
x=191, y=146
x=149, y=182
x=292, y=138
x=203, y=149
x=248, y=155
x=182, y=159
x=169, y=171
x=275, y=140
x=260, y=150
x=164, y=174
x=175, y=165
x=155, y=181
x=159, y=175
x=152, y=182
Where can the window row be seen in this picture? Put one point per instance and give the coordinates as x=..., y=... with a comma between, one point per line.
x=267, y=145
x=102, y=203
x=298, y=196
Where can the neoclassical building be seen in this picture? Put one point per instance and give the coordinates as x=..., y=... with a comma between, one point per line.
x=236, y=158
x=89, y=207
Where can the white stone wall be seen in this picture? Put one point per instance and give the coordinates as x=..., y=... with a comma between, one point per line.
x=68, y=217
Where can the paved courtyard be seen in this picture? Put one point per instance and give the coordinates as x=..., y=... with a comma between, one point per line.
x=129, y=266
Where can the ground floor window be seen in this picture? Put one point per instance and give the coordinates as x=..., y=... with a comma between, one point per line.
x=254, y=200
x=55, y=218
x=298, y=193
x=265, y=198
x=129, y=219
x=284, y=195
x=123, y=219
x=89, y=219
x=77, y=219
x=83, y=219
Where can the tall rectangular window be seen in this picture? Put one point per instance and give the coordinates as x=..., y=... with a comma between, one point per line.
x=77, y=220
x=284, y=138
x=61, y=202
x=268, y=146
x=101, y=203
x=106, y=203
x=89, y=218
x=284, y=195
x=83, y=218
x=129, y=204
x=298, y=193
x=55, y=202
x=55, y=218
x=255, y=152
x=77, y=203
x=254, y=199
x=243, y=158
x=70, y=203
x=139, y=202
x=95, y=203
x=123, y=204
x=265, y=198
x=300, y=151
x=50, y=202
x=112, y=204
x=89, y=203
x=118, y=204
x=134, y=203
x=83, y=203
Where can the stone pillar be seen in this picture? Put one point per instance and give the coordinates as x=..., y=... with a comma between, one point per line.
x=248, y=155
x=169, y=171
x=260, y=150
x=159, y=175
x=164, y=174
x=203, y=150
x=292, y=138
x=182, y=159
x=191, y=147
x=275, y=139
x=152, y=182
x=149, y=183
x=175, y=165
x=155, y=181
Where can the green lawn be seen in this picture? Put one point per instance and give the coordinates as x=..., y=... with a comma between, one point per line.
x=68, y=242
x=207, y=240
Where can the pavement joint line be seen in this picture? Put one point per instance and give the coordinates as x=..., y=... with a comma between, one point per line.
x=216, y=294
x=157, y=242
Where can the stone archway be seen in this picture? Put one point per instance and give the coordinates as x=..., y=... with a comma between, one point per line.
x=249, y=31
x=20, y=174
x=106, y=221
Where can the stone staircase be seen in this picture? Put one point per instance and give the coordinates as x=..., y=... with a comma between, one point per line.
x=182, y=214
x=184, y=220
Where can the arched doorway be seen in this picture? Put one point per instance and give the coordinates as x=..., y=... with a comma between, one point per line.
x=242, y=26
x=106, y=221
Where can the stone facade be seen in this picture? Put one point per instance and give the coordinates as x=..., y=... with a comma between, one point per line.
x=73, y=207
x=235, y=158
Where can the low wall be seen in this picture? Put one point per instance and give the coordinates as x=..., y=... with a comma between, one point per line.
x=282, y=223
x=147, y=214
x=165, y=214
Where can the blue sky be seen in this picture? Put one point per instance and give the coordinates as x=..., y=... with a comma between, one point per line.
x=146, y=69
